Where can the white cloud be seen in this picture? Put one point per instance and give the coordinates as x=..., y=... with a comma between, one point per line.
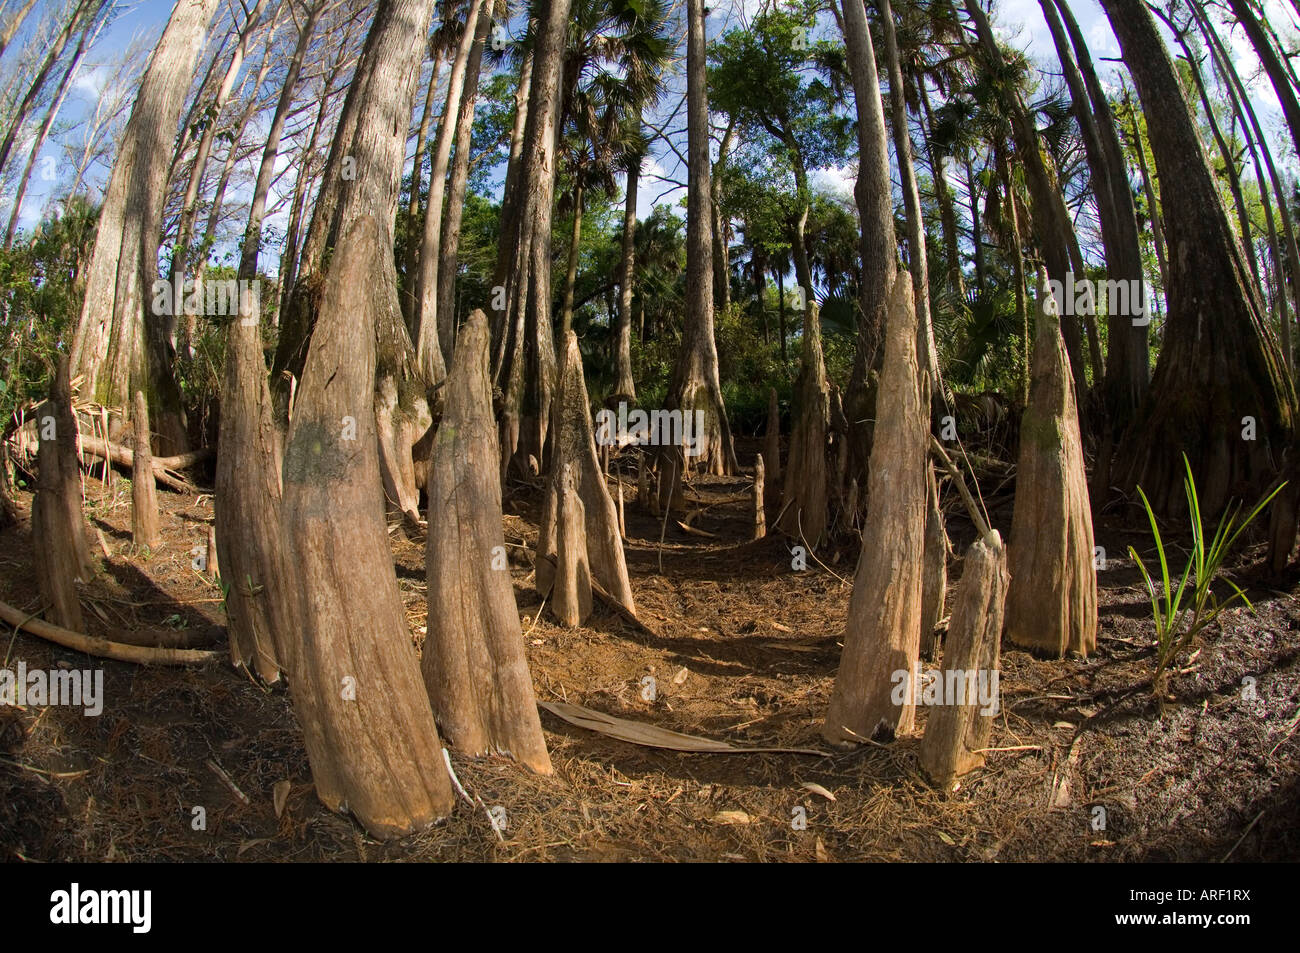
x=838, y=182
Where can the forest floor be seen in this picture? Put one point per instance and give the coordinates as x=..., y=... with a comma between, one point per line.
x=741, y=648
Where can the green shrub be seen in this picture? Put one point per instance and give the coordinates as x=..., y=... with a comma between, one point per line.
x=1181, y=614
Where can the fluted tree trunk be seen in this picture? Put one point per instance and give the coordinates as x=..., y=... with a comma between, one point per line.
x=474, y=665
x=1220, y=363
x=806, y=492
x=369, y=730
x=957, y=734
x=579, y=525
x=119, y=342
x=58, y=529
x=363, y=177
x=249, y=458
x=882, y=634
x=1052, y=599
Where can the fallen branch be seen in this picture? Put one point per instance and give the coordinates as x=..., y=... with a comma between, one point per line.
x=621, y=610
x=163, y=467
x=687, y=528
x=229, y=782
x=652, y=736
x=980, y=521
x=103, y=648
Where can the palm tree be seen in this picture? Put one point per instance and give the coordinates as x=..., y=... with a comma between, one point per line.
x=613, y=72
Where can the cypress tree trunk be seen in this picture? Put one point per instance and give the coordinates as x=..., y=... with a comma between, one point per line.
x=721, y=250
x=189, y=204
x=956, y=734
x=806, y=480
x=362, y=178
x=947, y=210
x=119, y=342
x=356, y=686
x=874, y=197
x=458, y=185
x=289, y=259
x=411, y=263
x=249, y=459
x=695, y=385
x=1242, y=105
x=1148, y=189
x=1052, y=600
x=510, y=209
x=8, y=505
x=571, y=267
x=884, y=622
x=1126, y=365
x=1220, y=363
x=58, y=530
x=474, y=665
x=437, y=331
x=1227, y=157
x=528, y=372
x=1051, y=224
x=934, y=582
x=144, y=495
x=592, y=541
x=916, y=252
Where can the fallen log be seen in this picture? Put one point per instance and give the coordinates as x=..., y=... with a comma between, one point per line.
x=163, y=467
x=103, y=648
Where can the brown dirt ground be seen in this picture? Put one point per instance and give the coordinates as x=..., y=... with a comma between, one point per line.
x=1207, y=776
